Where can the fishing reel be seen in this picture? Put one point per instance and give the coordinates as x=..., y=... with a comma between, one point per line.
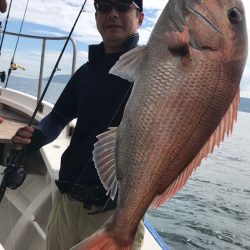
x=2, y=76
x=15, y=66
x=14, y=173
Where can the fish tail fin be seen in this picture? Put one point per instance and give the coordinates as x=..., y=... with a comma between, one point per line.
x=101, y=240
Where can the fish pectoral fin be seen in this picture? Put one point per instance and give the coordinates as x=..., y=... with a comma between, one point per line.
x=104, y=159
x=178, y=42
x=130, y=64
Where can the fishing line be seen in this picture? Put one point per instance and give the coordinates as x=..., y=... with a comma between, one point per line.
x=12, y=61
x=56, y=67
x=6, y=22
x=90, y=159
x=109, y=125
x=20, y=156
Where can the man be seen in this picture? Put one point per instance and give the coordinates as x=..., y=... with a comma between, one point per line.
x=3, y=6
x=97, y=99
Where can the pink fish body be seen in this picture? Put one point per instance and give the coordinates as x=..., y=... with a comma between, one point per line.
x=183, y=102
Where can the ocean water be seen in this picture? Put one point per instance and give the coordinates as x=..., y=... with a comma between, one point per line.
x=213, y=210
x=29, y=86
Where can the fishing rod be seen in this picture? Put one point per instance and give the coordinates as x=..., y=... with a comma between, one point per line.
x=2, y=73
x=14, y=66
x=15, y=172
x=56, y=66
x=4, y=31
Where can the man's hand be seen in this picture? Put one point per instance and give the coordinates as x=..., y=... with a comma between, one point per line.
x=23, y=136
x=1, y=119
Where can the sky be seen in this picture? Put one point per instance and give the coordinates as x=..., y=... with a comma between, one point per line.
x=56, y=18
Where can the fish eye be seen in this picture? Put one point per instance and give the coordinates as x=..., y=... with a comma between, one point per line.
x=234, y=15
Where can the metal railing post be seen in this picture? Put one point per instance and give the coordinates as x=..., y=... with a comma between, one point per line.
x=39, y=89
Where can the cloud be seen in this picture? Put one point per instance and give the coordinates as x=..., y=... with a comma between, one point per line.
x=60, y=16
x=55, y=18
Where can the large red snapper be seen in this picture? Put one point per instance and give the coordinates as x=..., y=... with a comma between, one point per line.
x=184, y=101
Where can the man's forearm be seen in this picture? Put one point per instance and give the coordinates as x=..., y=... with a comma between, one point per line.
x=51, y=126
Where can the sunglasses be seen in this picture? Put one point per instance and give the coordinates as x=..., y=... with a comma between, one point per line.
x=121, y=6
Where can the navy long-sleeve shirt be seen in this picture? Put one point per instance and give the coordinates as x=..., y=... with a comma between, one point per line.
x=97, y=99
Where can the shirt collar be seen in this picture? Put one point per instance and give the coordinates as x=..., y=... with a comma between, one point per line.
x=96, y=51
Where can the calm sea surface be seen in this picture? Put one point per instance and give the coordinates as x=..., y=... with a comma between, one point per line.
x=213, y=210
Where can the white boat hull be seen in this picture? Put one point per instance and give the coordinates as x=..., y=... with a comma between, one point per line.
x=24, y=212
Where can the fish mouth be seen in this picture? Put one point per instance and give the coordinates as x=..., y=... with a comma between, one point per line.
x=204, y=19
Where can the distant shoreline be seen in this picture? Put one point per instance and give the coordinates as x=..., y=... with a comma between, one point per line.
x=244, y=105
x=25, y=83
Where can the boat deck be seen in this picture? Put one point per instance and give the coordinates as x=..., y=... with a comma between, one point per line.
x=7, y=129
x=12, y=121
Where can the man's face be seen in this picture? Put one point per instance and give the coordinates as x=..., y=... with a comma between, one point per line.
x=116, y=26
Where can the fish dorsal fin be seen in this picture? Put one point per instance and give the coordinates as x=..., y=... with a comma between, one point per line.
x=225, y=127
x=104, y=159
x=130, y=64
x=178, y=42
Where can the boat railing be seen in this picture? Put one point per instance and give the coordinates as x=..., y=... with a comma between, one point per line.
x=44, y=40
